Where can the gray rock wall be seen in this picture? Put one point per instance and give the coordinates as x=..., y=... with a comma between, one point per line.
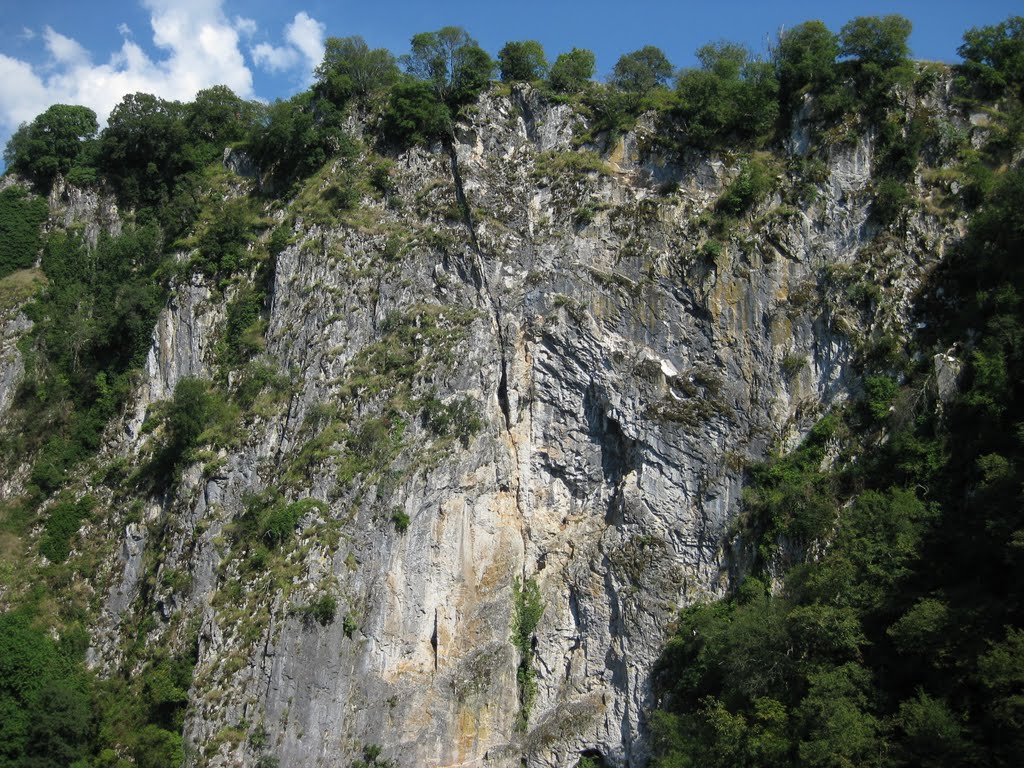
x=622, y=378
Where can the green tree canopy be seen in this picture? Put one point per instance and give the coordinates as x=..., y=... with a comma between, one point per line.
x=21, y=217
x=218, y=117
x=805, y=60
x=51, y=144
x=732, y=96
x=140, y=149
x=351, y=69
x=522, y=61
x=297, y=136
x=641, y=71
x=414, y=115
x=572, y=71
x=994, y=58
x=452, y=62
x=878, y=40
x=878, y=50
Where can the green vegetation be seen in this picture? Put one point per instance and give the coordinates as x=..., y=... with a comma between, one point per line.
x=755, y=180
x=63, y=520
x=865, y=653
x=197, y=415
x=572, y=71
x=296, y=138
x=322, y=610
x=351, y=70
x=92, y=328
x=641, y=71
x=56, y=715
x=843, y=646
x=401, y=520
x=21, y=217
x=522, y=61
x=993, y=59
x=414, y=115
x=805, y=62
x=731, y=98
x=372, y=759
x=59, y=141
x=528, y=608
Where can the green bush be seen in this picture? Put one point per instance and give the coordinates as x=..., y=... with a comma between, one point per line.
x=641, y=71
x=891, y=200
x=451, y=63
x=297, y=137
x=879, y=56
x=572, y=71
x=21, y=217
x=755, y=180
x=459, y=418
x=732, y=97
x=278, y=523
x=522, y=61
x=993, y=59
x=54, y=143
x=805, y=62
x=63, y=520
x=323, y=609
x=197, y=414
x=414, y=114
x=350, y=69
x=401, y=520
x=527, y=611
x=243, y=335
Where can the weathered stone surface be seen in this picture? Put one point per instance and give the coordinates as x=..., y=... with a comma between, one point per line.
x=622, y=378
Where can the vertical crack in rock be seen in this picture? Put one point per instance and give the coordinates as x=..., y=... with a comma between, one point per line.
x=433, y=640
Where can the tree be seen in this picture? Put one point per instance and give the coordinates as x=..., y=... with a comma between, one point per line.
x=218, y=117
x=724, y=59
x=51, y=144
x=140, y=149
x=994, y=58
x=20, y=219
x=805, y=60
x=414, y=114
x=350, y=69
x=298, y=136
x=522, y=61
x=877, y=40
x=732, y=96
x=641, y=71
x=572, y=71
x=877, y=47
x=61, y=726
x=452, y=62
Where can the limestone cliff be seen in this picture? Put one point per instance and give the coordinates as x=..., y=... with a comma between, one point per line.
x=525, y=365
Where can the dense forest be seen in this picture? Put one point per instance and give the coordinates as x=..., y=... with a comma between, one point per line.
x=876, y=615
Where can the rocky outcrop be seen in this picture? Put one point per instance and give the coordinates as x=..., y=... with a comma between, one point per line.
x=621, y=373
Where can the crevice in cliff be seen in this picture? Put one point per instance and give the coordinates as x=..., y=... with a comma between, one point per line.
x=479, y=281
x=433, y=640
x=619, y=454
x=503, y=402
x=467, y=215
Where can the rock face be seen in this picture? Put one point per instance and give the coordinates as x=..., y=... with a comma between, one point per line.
x=604, y=374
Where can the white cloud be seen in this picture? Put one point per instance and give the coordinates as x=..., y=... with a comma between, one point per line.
x=64, y=50
x=247, y=27
x=307, y=35
x=199, y=47
x=274, y=58
x=304, y=44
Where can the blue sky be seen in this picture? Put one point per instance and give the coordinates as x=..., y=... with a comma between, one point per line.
x=94, y=53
